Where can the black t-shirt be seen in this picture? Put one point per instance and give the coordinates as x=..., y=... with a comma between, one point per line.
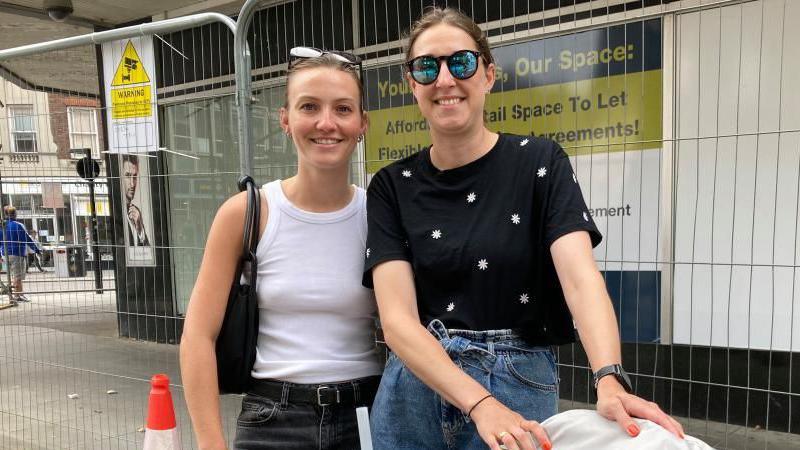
x=478, y=236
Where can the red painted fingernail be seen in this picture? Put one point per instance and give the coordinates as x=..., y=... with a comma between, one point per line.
x=547, y=445
x=633, y=430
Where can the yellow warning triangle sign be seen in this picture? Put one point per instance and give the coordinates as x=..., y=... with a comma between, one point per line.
x=130, y=69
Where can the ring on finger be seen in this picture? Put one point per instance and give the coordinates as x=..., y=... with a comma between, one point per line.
x=502, y=435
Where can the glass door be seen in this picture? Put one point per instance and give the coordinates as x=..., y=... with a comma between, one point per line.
x=44, y=232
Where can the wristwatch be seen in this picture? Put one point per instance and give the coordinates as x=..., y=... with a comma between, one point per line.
x=618, y=372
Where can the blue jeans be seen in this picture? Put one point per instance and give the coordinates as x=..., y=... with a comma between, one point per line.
x=408, y=415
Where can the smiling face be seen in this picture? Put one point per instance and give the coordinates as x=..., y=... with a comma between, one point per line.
x=451, y=106
x=323, y=116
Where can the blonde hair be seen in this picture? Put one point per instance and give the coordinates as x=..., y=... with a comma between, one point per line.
x=10, y=211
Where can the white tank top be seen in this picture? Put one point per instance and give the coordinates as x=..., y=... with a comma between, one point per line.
x=316, y=320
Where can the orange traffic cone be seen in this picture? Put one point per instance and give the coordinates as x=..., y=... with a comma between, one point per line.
x=161, y=432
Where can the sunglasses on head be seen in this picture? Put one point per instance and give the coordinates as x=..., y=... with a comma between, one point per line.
x=462, y=65
x=297, y=53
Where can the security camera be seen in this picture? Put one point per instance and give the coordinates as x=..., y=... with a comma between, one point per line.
x=58, y=10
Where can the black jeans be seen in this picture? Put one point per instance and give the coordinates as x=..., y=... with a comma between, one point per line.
x=288, y=416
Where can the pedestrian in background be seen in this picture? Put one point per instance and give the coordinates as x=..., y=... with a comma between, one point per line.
x=14, y=249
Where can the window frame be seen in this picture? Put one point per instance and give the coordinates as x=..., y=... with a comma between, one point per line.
x=72, y=132
x=13, y=132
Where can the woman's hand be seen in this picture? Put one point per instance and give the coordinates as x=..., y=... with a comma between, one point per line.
x=497, y=425
x=615, y=404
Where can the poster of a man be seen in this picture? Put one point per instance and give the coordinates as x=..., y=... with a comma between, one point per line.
x=130, y=180
x=135, y=186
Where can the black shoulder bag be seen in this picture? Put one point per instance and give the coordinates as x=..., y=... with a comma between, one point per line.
x=238, y=336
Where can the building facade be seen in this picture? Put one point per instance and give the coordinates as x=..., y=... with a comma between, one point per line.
x=38, y=129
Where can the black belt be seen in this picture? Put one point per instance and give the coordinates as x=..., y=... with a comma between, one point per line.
x=349, y=393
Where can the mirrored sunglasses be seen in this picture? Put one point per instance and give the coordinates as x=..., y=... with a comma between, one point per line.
x=462, y=65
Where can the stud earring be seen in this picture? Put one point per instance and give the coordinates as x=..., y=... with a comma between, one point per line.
x=360, y=138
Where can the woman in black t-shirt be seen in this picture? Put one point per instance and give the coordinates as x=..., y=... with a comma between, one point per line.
x=485, y=238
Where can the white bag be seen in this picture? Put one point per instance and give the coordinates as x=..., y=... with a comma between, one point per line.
x=583, y=429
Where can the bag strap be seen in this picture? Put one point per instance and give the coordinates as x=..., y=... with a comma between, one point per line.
x=251, y=224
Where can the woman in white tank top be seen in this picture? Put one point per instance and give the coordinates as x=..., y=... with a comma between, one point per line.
x=316, y=359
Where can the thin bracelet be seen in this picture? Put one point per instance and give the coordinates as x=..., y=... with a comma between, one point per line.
x=469, y=414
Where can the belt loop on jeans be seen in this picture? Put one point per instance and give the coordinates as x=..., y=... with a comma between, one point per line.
x=285, y=395
x=437, y=328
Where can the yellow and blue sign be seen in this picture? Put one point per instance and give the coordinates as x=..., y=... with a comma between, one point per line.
x=593, y=91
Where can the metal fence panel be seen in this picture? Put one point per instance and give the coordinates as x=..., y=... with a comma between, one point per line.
x=76, y=362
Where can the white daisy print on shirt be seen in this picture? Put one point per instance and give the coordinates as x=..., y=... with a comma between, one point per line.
x=451, y=307
x=524, y=298
x=407, y=173
x=515, y=219
x=523, y=143
x=436, y=234
x=585, y=216
x=471, y=197
x=367, y=253
x=541, y=172
x=482, y=264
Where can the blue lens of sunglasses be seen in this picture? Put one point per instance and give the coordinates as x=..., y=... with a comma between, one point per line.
x=425, y=70
x=461, y=64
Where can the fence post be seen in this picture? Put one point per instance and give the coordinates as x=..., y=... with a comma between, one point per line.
x=243, y=95
x=5, y=246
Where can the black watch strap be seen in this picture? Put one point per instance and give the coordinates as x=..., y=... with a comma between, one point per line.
x=618, y=372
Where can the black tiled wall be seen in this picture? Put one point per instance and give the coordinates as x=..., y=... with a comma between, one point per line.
x=735, y=386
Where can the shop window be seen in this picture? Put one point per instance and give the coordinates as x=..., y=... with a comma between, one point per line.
x=83, y=129
x=64, y=223
x=23, y=203
x=23, y=128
